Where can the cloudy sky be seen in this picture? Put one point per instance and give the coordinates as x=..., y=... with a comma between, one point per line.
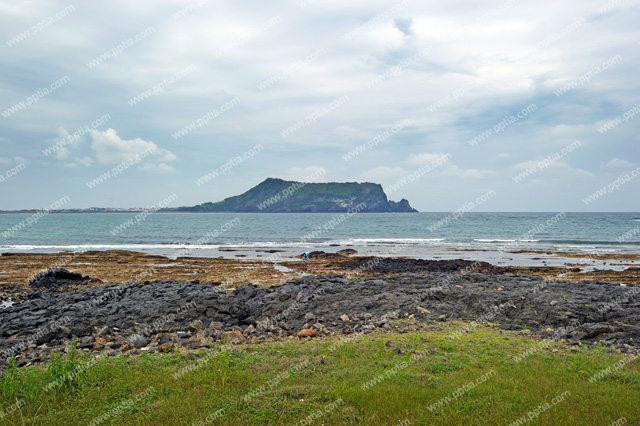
x=517, y=96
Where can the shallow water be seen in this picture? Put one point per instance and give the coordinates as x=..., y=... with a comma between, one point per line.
x=492, y=237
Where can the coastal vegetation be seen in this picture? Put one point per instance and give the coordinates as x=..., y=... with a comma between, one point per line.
x=387, y=378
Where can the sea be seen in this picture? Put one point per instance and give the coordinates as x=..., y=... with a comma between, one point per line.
x=500, y=238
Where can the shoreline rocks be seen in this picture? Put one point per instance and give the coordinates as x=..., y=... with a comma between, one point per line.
x=158, y=316
x=55, y=278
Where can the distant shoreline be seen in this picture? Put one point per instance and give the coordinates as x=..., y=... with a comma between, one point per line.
x=586, y=262
x=182, y=211
x=140, y=209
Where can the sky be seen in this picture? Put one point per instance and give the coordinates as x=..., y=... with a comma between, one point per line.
x=128, y=104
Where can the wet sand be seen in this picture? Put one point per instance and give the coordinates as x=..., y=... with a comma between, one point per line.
x=16, y=269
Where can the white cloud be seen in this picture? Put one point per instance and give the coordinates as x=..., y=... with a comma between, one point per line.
x=62, y=153
x=63, y=133
x=424, y=158
x=523, y=165
x=111, y=149
x=68, y=139
x=17, y=160
x=557, y=169
x=383, y=173
x=306, y=174
x=166, y=155
x=158, y=168
x=456, y=171
x=566, y=131
x=617, y=164
x=576, y=172
x=503, y=156
x=474, y=80
x=85, y=161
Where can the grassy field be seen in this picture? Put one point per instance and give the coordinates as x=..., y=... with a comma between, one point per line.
x=418, y=378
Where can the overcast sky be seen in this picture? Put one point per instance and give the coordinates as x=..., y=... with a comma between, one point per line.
x=442, y=73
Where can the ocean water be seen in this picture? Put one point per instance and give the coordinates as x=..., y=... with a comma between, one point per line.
x=484, y=236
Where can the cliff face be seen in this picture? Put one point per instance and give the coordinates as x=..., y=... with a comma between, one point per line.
x=281, y=196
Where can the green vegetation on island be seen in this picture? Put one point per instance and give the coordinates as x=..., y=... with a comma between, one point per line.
x=282, y=196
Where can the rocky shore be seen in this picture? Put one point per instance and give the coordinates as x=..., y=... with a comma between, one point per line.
x=161, y=315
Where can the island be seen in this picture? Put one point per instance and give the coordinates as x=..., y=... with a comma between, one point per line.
x=275, y=195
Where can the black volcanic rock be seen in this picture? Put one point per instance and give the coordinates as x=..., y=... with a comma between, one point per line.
x=54, y=278
x=129, y=316
x=281, y=196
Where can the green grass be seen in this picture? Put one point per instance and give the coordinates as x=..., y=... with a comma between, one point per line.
x=511, y=392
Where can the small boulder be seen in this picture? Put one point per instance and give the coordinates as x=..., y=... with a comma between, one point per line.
x=103, y=331
x=54, y=278
x=163, y=338
x=344, y=317
x=307, y=332
x=196, y=326
x=390, y=315
x=165, y=347
x=140, y=342
x=231, y=336
x=215, y=325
